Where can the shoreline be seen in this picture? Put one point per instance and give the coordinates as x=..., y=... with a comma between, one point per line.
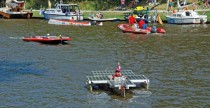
x=120, y=14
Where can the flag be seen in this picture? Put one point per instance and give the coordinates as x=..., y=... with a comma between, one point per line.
x=49, y=4
x=159, y=19
x=119, y=67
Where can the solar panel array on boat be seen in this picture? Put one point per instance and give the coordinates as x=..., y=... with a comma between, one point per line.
x=135, y=77
x=94, y=78
x=111, y=72
x=102, y=79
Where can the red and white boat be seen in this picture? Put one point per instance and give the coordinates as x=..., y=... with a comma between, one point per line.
x=73, y=22
x=126, y=28
x=47, y=39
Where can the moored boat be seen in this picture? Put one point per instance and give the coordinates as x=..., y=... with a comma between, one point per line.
x=47, y=39
x=186, y=17
x=64, y=11
x=103, y=19
x=126, y=28
x=73, y=22
x=100, y=17
x=14, y=9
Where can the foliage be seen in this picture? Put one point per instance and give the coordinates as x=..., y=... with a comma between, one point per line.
x=84, y=4
x=93, y=4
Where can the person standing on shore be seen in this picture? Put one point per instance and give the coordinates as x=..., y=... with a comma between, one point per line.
x=170, y=5
x=206, y=3
x=194, y=5
x=122, y=3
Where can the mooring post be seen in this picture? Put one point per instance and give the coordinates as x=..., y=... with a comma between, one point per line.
x=124, y=93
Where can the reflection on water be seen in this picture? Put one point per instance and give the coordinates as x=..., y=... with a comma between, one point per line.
x=10, y=69
x=177, y=64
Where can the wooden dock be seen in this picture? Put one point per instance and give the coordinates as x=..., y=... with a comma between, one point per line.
x=5, y=15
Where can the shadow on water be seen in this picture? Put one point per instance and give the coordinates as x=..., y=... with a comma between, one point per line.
x=53, y=44
x=9, y=69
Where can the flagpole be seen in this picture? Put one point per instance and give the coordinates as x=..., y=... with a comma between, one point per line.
x=24, y=4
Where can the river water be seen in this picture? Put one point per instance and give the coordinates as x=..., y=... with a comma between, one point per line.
x=37, y=75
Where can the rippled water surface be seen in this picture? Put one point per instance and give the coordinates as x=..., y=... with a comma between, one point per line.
x=32, y=74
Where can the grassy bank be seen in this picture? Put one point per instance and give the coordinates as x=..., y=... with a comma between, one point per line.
x=120, y=14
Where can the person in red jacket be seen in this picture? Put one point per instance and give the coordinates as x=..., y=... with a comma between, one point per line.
x=141, y=23
x=131, y=19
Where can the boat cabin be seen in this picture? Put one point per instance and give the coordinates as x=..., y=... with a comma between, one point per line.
x=64, y=11
x=65, y=8
x=185, y=13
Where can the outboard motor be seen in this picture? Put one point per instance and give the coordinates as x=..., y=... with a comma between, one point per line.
x=154, y=29
x=201, y=21
x=93, y=22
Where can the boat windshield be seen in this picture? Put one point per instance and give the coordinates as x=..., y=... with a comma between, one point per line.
x=187, y=13
x=65, y=9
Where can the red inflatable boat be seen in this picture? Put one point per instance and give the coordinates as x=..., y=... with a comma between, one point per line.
x=126, y=28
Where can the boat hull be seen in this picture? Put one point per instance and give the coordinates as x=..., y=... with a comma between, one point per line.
x=63, y=16
x=27, y=15
x=47, y=39
x=172, y=20
x=74, y=23
x=6, y=13
x=103, y=19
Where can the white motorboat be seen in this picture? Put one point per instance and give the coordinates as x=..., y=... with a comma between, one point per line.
x=14, y=9
x=103, y=19
x=186, y=17
x=64, y=11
